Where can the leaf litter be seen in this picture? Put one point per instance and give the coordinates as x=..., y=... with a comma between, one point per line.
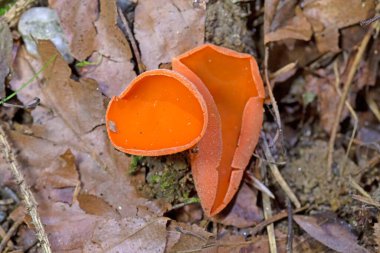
x=92, y=200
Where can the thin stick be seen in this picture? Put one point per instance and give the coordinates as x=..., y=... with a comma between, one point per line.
x=359, y=188
x=366, y=200
x=281, y=215
x=353, y=114
x=346, y=89
x=270, y=227
x=3, y=234
x=277, y=175
x=14, y=13
x=141, y=67
x=10, y=233
x=272, y=99
x=289, y=244
x=30, y=202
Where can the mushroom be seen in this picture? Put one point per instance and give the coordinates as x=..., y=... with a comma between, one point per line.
x=160, y=112
x=232, y=88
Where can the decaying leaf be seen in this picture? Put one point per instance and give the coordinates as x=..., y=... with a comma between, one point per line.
x=244, y=212
x=331, y=232
x=132, y=234
x=96, y=36
x=165, y=29
x=327, y=17
x=71, y=116
x=295, y=27
x=77, y=20
x=5, y=54
x=182, y=236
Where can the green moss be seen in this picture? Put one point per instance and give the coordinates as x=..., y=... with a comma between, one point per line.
x=5, y=6
x=134, y=165
x=169, y=178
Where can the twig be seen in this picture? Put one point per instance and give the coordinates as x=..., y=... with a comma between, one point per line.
x=369, y=21
x=281, y=215
x=372, y=105
x=353, y=114
x=10, y=233
x=366, y=200
x=272, y=99
x=270, y=227
x=30, y=202
x=277, y=175
x=289, y=244
x=346, y=88
x=141, y=67
x=359, y=188
x=3, y=234
x=14, y=13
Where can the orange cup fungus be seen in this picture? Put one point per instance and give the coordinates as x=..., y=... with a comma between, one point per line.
x=235, y=85
x=159, y=113
x=213, y=99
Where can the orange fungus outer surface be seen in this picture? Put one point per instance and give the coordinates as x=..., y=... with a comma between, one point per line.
x=234, y=82
x=159, y=113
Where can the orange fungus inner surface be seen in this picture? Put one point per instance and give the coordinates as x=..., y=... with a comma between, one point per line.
x=157, y=112
x=230, y=82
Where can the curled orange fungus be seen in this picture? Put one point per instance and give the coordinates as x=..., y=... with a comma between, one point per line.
x=233, y=91
x=160, y=112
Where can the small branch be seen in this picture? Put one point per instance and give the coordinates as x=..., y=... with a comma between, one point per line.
x=369, y=21
x=289, y=244
x=342, y=101
x=131, y=38
x=267, y=209
x=272, y=99
x=13, y=14
x=353, y=114
x=10, y=233
x=277, y=175
x=274, y=218
x=30, y=202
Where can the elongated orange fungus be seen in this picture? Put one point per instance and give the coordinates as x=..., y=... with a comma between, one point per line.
x=231, y=81
x=160, y=112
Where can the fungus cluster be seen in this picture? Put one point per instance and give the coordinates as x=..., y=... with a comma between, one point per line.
x=212, y=99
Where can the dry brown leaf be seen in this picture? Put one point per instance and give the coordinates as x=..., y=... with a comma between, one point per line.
x=244, y=211
x=71, y=116
x=182, y=236
x=323, y=87
x=77, y=20
x=113, y=69
x=294, y=27
x=331, y=232
x=132, y=234
x=68, y=226
x=96, y=206
x=327, y=17
x=167, y=28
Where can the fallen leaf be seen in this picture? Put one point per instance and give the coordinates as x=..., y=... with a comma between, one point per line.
x=323, y=87
x=132, y=234
x=165, y=29
x=327, y=17
x=96, y=206
x=294, y=27
x=6, y=43
x=243, y=212
x=71, y=116
x=182, y=236
x=332, y=232
x=77, y=20
x=112, y=67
